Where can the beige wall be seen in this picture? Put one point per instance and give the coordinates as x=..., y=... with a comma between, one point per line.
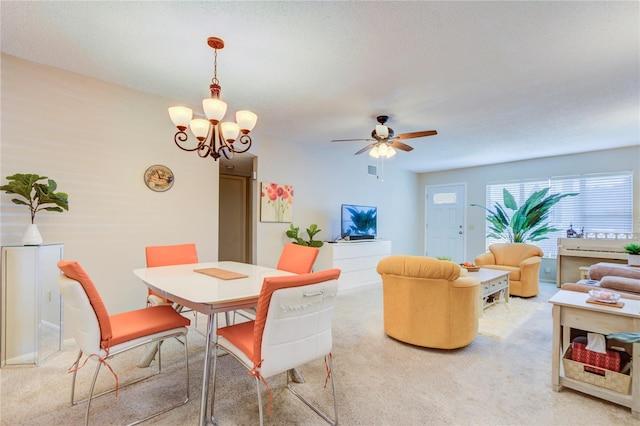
x=476, y=178
x=96, y=139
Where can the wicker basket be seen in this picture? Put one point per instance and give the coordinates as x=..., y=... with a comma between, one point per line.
x=471, y=268
x=611, y=380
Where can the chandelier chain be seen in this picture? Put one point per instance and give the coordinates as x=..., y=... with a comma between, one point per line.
x=215, y=80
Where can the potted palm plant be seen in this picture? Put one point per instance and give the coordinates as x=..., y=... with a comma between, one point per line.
x=633, y=253
x=527, y=223
x=37, y=196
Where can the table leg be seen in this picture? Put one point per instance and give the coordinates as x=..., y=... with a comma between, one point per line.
x=635, y=382
x=206, y=370
x=555, y=350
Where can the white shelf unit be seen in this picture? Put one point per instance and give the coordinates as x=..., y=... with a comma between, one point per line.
x=357, y=260
x=31, y=319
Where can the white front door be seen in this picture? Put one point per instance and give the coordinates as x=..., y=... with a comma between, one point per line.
x=445, y=221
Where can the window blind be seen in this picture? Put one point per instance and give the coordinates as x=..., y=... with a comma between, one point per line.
x=603, y=206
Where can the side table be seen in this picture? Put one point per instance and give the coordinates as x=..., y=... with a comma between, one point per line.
x=571, y=311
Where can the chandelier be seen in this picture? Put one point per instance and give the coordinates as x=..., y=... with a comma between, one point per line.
x=215, y=138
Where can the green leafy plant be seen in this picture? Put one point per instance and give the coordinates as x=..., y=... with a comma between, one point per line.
x=36, y=195
x=632, y=248
x=528, y=223
x=312, y=230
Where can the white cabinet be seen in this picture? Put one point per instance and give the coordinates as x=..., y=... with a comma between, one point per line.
x=357, y=260
x=31, y=319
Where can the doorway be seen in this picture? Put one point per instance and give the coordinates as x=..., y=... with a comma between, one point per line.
x=445, y=217
x=237, y=186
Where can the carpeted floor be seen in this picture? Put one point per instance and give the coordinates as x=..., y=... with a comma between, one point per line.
x=503, y=318
x=380, y=381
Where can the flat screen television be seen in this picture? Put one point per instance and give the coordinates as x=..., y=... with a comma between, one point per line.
x=358, y=222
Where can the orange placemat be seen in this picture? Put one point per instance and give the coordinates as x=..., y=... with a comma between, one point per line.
x=223, y=274
x=618, y=304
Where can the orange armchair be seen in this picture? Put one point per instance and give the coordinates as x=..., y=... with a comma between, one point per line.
x=429, y=302
x=521, y=260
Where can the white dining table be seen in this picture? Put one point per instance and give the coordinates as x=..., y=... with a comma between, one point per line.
x=208, y=295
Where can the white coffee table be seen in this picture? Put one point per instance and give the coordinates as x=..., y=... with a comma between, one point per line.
x=493, y=283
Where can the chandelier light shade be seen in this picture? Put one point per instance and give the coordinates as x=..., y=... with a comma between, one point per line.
x=215, y=137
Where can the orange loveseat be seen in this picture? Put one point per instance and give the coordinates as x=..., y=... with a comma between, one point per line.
x=428, y=302
x=521, y=260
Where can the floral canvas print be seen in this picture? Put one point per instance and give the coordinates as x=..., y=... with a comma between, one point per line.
x=276, y=203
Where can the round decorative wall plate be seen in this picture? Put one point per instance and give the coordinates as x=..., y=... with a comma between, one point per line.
x=158, y=178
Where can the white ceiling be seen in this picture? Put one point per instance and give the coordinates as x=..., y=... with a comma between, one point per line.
x=500, y=81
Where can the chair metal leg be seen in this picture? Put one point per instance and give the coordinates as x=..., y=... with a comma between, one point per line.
x=91, y=396
x=259, y=401
x=326, y=418
x=74, y=366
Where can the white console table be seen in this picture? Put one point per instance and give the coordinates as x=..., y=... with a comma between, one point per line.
x=31, y=319
x=357, y=260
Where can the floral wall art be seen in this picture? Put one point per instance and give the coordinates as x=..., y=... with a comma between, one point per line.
x=276, y=203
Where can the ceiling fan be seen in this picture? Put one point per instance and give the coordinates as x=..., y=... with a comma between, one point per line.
x=384, y=140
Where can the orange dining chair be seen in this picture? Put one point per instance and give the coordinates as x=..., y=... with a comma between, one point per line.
x=294, y=258
x=101, y=336
x=297, y=259
x=292, y=328
x=179, y=254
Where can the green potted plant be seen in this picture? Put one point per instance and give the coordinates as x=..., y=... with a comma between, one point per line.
x=37, y=196
x=528, y=223
x=633, y=252
x=312, y=230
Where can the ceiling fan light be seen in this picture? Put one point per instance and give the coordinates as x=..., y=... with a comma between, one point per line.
x=374, y=152
x=230, y=131
x=382, y=131
x=383, y=149
x=200, y=128
x=181, y=116
x=214, y=109
x=246, y=120
x=391, y=152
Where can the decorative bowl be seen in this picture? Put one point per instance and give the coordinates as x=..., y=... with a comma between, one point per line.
x=471, y=268
x=604, y=296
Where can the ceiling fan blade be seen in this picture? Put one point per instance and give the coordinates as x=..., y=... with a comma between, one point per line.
x=401, y=146
x=365, y=149
x=352, y=140
x=416, y=134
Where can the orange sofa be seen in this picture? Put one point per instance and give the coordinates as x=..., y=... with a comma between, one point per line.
x=521, y=260
x=429, y=302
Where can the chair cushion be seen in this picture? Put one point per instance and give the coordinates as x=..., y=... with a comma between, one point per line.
x=602, y=269
x=73, y=270
x=143, y=322
x=240, y=335
x=419, y=267
x=630, y=285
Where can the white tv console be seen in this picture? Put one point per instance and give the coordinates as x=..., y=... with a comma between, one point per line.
x=357, y=260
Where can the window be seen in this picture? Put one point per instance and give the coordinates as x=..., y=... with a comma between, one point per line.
x=603, y=206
